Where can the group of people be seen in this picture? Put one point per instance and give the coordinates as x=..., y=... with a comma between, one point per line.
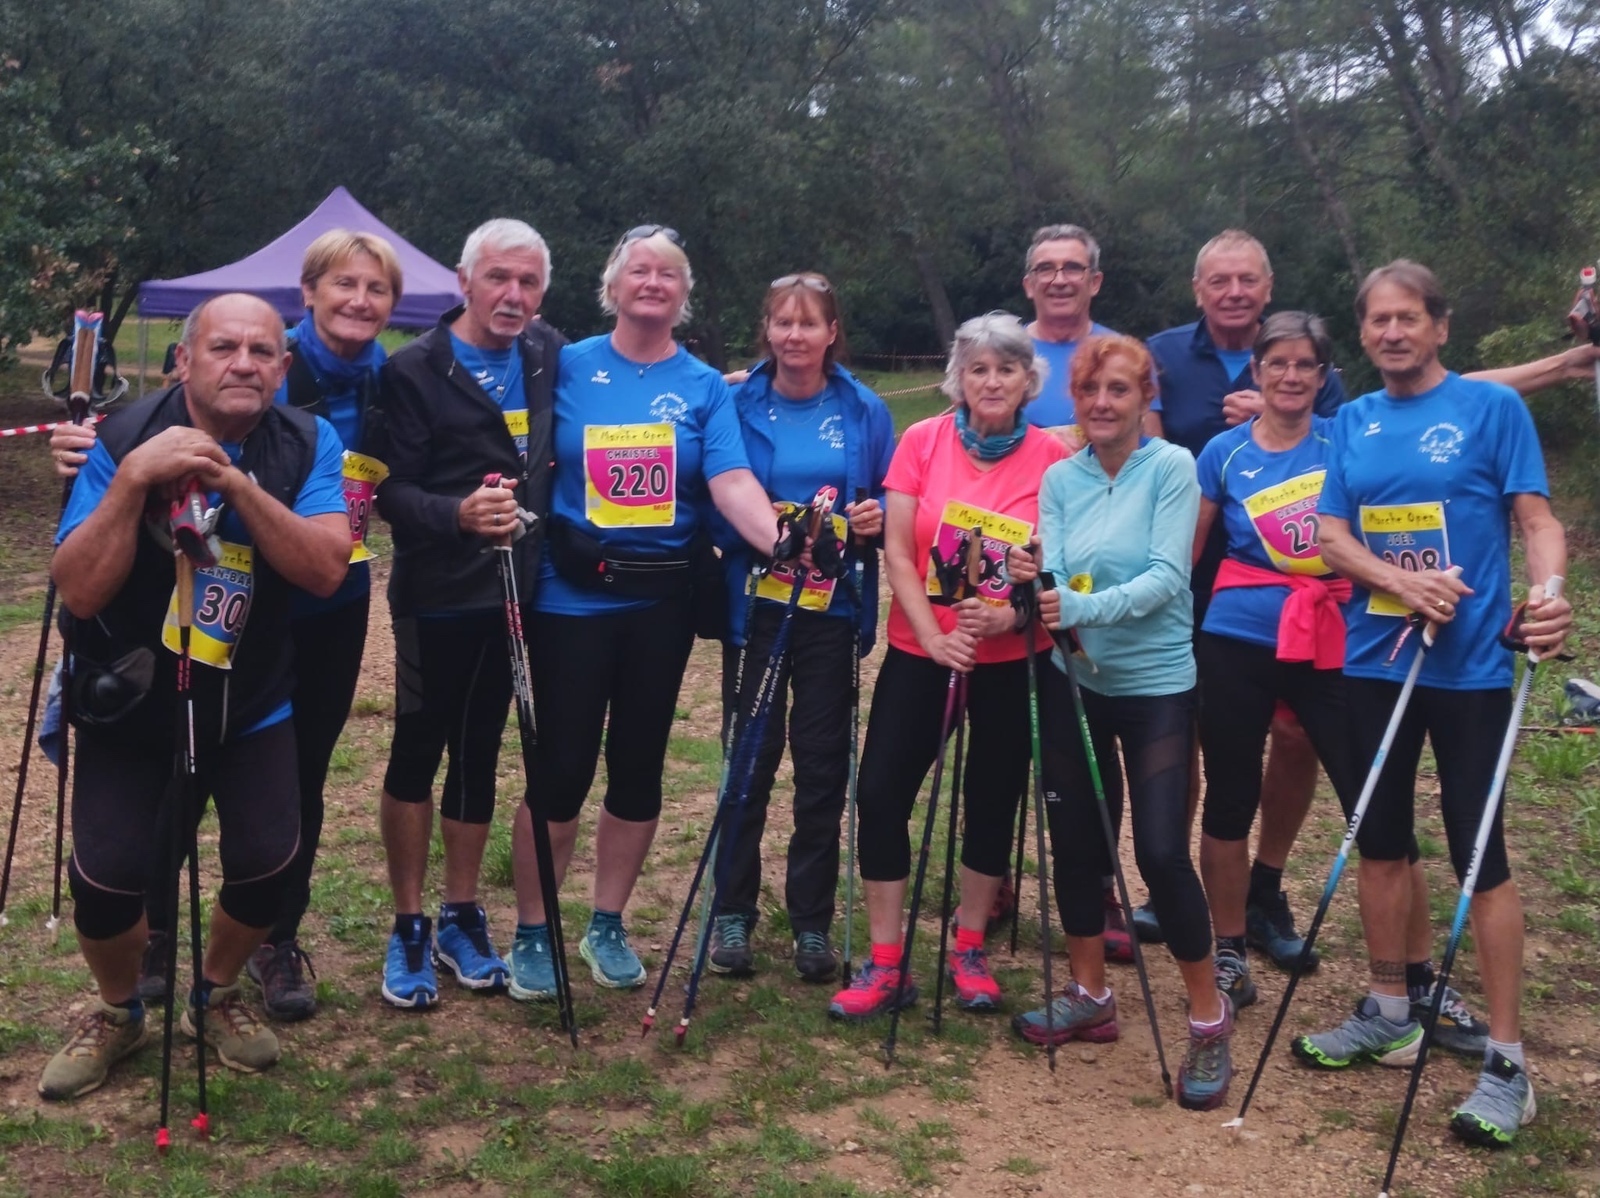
x=1233, y=549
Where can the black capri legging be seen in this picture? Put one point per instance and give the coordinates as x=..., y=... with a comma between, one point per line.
x=1156, y=733
x=1465, y=729
x=903, y=740
x=626, y=664
x=117, y=796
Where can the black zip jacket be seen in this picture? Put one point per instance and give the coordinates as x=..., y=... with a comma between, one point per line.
x=440, y=435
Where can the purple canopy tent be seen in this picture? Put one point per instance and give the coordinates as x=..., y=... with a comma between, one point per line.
x=273, y=272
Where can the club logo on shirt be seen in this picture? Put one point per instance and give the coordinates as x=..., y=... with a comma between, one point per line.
x=831, y=432
x=1374, y=429
x=670, y=407
x=1441, y=443
x=1251, y=473
x=601, y=376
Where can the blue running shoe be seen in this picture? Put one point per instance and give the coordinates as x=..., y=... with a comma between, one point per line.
x=605, y=947
x=408, y=977
x=1269, y=928
x=464, y=949
x=1208, y=1067
x=533, y=969
x=1146, y=926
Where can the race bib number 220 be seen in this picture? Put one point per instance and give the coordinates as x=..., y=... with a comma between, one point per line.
x=630, y=474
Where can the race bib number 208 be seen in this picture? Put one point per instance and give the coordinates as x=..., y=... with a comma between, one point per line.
x=1412, y=536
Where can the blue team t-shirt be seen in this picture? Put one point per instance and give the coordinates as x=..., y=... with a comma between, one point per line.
x=1053, y=406
x=1234, y=361
x=808, y=453
x=321, y=495
x=1268, y=502
x=1426, y=482
x=634, y=446
x=498, y=373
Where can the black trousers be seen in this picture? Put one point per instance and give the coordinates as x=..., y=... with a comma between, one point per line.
x=816, y=670
x=1156, y=734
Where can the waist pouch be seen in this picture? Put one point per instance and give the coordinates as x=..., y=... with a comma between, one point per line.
x=585, y=562
x=106, y=695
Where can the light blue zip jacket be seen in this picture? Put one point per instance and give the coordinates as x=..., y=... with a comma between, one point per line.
x=1129, y=541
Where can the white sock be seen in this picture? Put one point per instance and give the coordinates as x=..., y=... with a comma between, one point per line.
x=1511, y=1052
x=1396, y=1008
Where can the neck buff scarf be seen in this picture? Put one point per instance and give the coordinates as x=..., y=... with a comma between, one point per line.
x=336, y=377
x=991, y=448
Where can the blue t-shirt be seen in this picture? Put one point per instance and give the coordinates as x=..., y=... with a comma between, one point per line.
x=1053, y=407
x=1268, y=503
x=808, y=453
x=322, y=495
x=498, y=372
x=1427, y=482
x=1234, y=361
x=634, y=446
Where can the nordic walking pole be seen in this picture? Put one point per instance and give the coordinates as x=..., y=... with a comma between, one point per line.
x=1038, y=832
x=856, y=580
x=1236, y=1124
x=85, y=338
x=528, y=737
x=815, y=520
x=974, y=576
x=1047, y=583
x=1016, y=877
x=1491, y=807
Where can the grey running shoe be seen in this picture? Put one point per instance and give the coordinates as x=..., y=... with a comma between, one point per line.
x=1233, y=979
x=153, y=970
x=234, y=1033
x=730, y=951
x=1365, y=1036
x=1458, y=1030
x=1071, y=1015
x=1208, y=1066
x=106, y=1035
x=813, y=957
x=1502, y=1103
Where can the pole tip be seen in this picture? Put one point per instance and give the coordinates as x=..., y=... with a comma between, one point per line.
x=4, y=922
x=53, y=926
x=202, y=1125
x=679, y=1032
x=163, y=1141
x=648, y=1023
x=1233, y=1127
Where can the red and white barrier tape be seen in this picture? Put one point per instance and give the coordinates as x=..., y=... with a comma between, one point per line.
x=25, y=429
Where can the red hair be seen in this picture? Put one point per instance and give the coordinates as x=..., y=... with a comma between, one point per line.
x=1094, y=352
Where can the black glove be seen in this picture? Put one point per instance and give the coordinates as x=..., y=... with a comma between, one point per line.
x=827, y=554
x=791, y=536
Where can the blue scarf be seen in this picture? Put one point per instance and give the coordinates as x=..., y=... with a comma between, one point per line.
x=339, y=381
x=991, y=448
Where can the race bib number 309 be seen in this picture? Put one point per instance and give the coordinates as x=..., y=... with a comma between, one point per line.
x=1412, y=536
x=630, y=475
x=947, y=578
x=221, y=606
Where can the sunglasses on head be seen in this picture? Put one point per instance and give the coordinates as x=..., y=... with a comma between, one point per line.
x=640, y=232
x=809, y=281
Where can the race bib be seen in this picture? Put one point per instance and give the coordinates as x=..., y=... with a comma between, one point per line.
x=947, y=558
x=1412, y=536
x=361, y=478
x=817, y=592
x=221, y=606
x=1285, y=518
x=630, y=474
x=517, y=426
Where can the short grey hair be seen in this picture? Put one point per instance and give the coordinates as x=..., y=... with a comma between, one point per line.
x=1233, y=239
x=502, y=233
x=1001, y=334
x=1064, y=233
x=618, y=261
x=191, y=322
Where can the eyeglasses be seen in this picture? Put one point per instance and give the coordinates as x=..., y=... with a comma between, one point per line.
x=640, y=232
x=1046, y=272
x=811, y=282
x=1278, y=367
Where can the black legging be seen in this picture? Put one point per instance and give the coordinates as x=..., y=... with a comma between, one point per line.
x=1242, y=683
x=903, y=740
x=1156, y=734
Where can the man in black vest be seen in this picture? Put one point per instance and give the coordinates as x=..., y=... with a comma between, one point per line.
x=274, y=476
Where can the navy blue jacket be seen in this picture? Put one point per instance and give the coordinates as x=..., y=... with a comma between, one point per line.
x=869, y=441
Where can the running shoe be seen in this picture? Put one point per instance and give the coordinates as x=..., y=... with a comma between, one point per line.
x=1208, y=1066
x=871, y=992
x=104, y=1037
x=280, y=971
x=533, y=967
x=1365, y=1036
x=1270, y=928
x=1072, y=1015
x=233, y=1032
x=1458, y=1029
x=153, y=970
x=814, y=959
x=1146, y=926
x=464, y=949
x=730, y=951
x=1501, y=1104
x=1233, y=979
x=611, y=960
x=1119, y=944
x=408, y=977
x=975, y=987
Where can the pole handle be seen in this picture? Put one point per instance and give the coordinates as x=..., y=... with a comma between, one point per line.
x=185, y=591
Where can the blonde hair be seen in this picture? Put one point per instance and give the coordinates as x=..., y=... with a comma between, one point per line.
x=339, y=245
x=618, y=261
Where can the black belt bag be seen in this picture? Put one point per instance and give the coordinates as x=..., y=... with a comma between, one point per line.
x=585, y=562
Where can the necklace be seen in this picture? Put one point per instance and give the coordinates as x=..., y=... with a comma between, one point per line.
x=482, y=375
